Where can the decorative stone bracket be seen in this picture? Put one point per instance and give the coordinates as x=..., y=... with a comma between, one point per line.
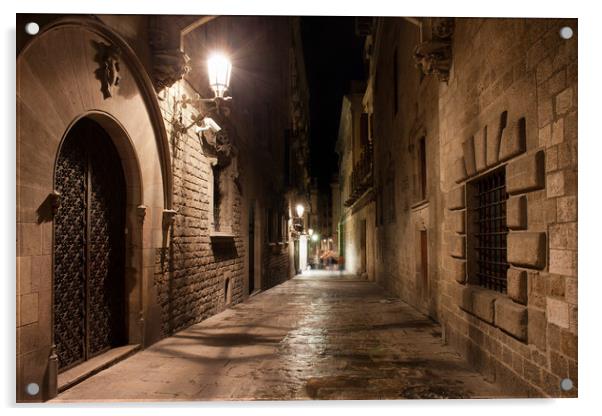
x=55, y=201
x=434, y=56
x=169, y=66
x=141, y=212
x=170, y=63
x=169, y=216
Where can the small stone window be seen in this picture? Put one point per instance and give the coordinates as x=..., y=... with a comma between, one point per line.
x=486, y=197
x=421, y=184
x=222, y=200
x=217, y=199
x=395, y=88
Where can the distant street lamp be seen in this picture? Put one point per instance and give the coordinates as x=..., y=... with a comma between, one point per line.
x=310, y=231
x=300, y=209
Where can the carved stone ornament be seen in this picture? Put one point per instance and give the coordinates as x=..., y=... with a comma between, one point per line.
x=434, y=56
x=169, y=66
x=169, y=216
x=141, y=211
x=107, y=57
x=55, y=201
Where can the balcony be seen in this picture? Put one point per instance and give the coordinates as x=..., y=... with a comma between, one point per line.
x=361, y=176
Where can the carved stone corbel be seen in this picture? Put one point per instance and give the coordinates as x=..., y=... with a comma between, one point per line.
x=434, y=56
x=55, y=201
x=141, y=211
x=169, y=216
x=169, y=66
x=170, y=63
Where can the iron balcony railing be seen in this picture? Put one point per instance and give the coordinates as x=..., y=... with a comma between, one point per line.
x=361, y=175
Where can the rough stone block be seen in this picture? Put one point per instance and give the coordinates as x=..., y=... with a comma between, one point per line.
x=557, y=312
x=24, y=275
x=526, y=174
x=469, y=157
x=564, y=101
x=568, y=344
x=527, y=249
x=483, y=304
x=570, y=291
x=465, y=298
x=537, y=328
x=556, y=184
x=512, y=318
x=458, y=222
x=567, y=208
x=517, y=285
x=545, y=112
x=516, y=213
x=459, y=171
x=458, y=246
x=459, y=270
x=29, y=239
x=493, y=145
x=567, y=154
x=564, y=236
x=456, y=198
x=514, y=140
x=563, y=262
x=545, y=135
x=28, y=310
x=557, y=133
x=480, y=149
x=570, y=126
x=552, y=159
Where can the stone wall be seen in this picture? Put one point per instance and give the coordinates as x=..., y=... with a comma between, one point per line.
x=510, y=103
x=402, y=212
x=179, y=270
x=359, y=216
x=192, y=269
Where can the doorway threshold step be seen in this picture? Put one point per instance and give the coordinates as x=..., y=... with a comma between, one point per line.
x=94, y=365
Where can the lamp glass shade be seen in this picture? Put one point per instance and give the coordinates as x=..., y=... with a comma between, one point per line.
x=300, y=209
x=219, y=69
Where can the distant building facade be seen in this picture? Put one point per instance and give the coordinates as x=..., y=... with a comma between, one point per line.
x=356, y=191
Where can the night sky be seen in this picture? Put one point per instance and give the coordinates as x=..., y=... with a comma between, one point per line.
x=333, y=57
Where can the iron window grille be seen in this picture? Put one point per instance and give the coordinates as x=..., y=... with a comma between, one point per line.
x=490, y=230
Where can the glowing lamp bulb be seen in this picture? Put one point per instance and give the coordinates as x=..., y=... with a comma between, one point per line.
x=219, y=69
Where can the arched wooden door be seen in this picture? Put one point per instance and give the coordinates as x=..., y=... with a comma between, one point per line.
x=89, y=246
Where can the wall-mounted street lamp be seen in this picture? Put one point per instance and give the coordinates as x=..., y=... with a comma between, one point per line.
x=219, y=70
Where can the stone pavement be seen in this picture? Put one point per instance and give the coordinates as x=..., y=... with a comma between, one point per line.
x=320, y=336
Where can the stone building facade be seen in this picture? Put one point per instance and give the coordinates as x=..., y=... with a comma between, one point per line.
x=475, y=178
x=356, y=191
x=207, y=218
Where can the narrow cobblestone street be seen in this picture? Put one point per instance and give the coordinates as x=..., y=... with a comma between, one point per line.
x=317, y=336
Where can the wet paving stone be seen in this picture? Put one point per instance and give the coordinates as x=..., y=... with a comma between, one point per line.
x=322, y=336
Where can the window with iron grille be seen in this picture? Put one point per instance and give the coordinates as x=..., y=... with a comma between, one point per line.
x=487, y=217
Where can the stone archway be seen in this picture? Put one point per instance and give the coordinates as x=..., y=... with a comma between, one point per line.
x=57, y=87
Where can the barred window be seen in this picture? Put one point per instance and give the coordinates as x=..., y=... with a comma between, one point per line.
x=487, y=217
